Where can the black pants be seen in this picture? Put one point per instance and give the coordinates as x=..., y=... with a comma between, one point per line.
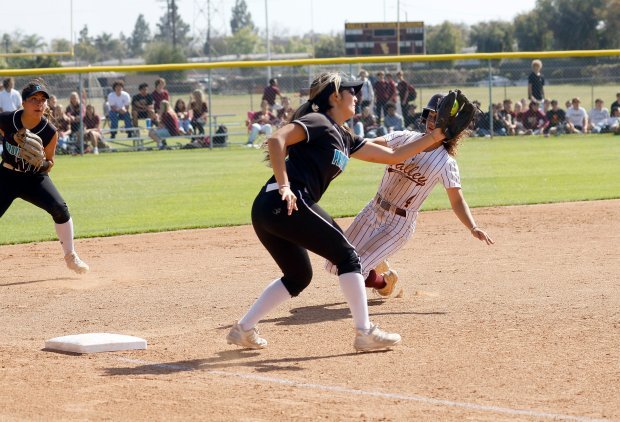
x=37, y=189
x=288, y=238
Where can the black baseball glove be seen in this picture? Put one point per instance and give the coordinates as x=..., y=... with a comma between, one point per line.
x=454, y=114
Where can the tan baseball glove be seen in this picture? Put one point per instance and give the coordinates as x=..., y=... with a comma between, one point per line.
x=30, y=147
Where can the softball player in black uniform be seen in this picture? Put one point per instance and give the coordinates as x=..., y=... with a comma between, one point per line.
x=19, y=179
x=288, y=219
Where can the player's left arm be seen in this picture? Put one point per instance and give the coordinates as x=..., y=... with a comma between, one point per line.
x=462, y=211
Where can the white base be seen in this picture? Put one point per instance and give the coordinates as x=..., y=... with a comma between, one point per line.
x=95, y=342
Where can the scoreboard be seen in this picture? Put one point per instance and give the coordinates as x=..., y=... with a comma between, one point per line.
x=380, y=38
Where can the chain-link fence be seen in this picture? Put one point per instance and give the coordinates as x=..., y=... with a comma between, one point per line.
x=232, y=94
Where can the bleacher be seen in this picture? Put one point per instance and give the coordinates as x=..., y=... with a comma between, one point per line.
x=140, y=141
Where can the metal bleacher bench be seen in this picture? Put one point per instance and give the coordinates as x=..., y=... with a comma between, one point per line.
x=144, y=142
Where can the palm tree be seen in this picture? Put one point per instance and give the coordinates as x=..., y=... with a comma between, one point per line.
x=33, y=43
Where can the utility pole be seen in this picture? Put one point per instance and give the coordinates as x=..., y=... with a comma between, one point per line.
x=268, y=43
x=174, y=23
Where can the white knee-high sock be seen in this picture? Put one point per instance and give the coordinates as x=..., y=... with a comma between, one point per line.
x=352, y=285
x=65, y=235
x=273, y=295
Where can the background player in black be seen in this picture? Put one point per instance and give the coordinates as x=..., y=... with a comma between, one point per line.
x=18, y=179
x=536, y=83
x=289, y=222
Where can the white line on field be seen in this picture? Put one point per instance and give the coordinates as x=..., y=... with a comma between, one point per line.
x=345, y=390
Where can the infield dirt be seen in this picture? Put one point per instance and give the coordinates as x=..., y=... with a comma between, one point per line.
x=526, y=329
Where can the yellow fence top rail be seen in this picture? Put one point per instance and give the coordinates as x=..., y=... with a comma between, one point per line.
x=306, y=62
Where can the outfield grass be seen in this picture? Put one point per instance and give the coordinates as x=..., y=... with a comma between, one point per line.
x=113, y=194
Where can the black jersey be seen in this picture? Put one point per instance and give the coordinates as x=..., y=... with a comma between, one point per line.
x=10, y=123
x=538, y=83
x=323, y=156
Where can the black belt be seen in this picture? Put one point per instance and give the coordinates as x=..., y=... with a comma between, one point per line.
x=389, y=207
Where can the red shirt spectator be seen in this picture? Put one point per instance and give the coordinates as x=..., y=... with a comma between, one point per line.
x=91, y=121
x=271, y=92
x=159, y=94
x=170, y=122
x=533, y=119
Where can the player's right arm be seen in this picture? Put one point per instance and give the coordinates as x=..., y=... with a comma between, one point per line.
x=277, y=145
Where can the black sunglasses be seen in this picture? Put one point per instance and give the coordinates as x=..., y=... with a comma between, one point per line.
x=350, y=90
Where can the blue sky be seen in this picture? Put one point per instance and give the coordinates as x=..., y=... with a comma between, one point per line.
x=52, y=19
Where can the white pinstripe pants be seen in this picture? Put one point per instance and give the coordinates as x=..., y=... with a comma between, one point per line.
x=377, y=234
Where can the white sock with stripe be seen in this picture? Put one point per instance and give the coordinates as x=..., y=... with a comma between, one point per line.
x=273, y=295
x=352, y=286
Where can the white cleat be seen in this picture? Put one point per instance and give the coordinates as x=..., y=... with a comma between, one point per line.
x=249, y=339
x=76, y=264
x=374, y=339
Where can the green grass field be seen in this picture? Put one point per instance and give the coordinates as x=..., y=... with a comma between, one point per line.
x=120, y=193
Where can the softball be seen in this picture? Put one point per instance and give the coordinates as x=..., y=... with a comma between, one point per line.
x=455, y=108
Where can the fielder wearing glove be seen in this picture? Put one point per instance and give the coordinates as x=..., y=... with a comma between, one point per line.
x=31, y=149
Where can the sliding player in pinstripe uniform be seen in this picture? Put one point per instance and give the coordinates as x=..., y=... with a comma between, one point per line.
x=389, y=219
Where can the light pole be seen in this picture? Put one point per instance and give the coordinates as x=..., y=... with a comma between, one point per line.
x=268, y=43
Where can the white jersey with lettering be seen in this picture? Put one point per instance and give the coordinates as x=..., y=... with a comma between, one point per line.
x=388, y=220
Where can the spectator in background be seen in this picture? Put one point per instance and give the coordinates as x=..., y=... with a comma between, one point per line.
x=411, y=118
x=365, y=124
x=367, y=93
x=508, y=117
x=392, y=121
x=183, y=115
x=92, y=129
x=51, y=103
x=616, y=104
x=262, y=121
x=536, y=83
x=576, y=117
x=73, y=112
x=119, y=101
x=198, y=112
x=598, y=116
x=159, y=94
x=406, y=91
x=613, y=122
x=284, y=114
x=519, y=129
x=483, y=123
x=142, y=105
x=168, y=125
x=63, y=127
x=383, y=92
x=270, y=93
x=556, y=120
x=10, y=98
x=533, y=119
x=610, y=124
x=390, y=79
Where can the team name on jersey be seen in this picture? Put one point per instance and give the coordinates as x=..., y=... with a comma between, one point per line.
x=12, y=149
x=410, y=171
x=340, y=160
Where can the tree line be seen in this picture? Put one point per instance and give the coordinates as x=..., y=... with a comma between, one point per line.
x=551, y=25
